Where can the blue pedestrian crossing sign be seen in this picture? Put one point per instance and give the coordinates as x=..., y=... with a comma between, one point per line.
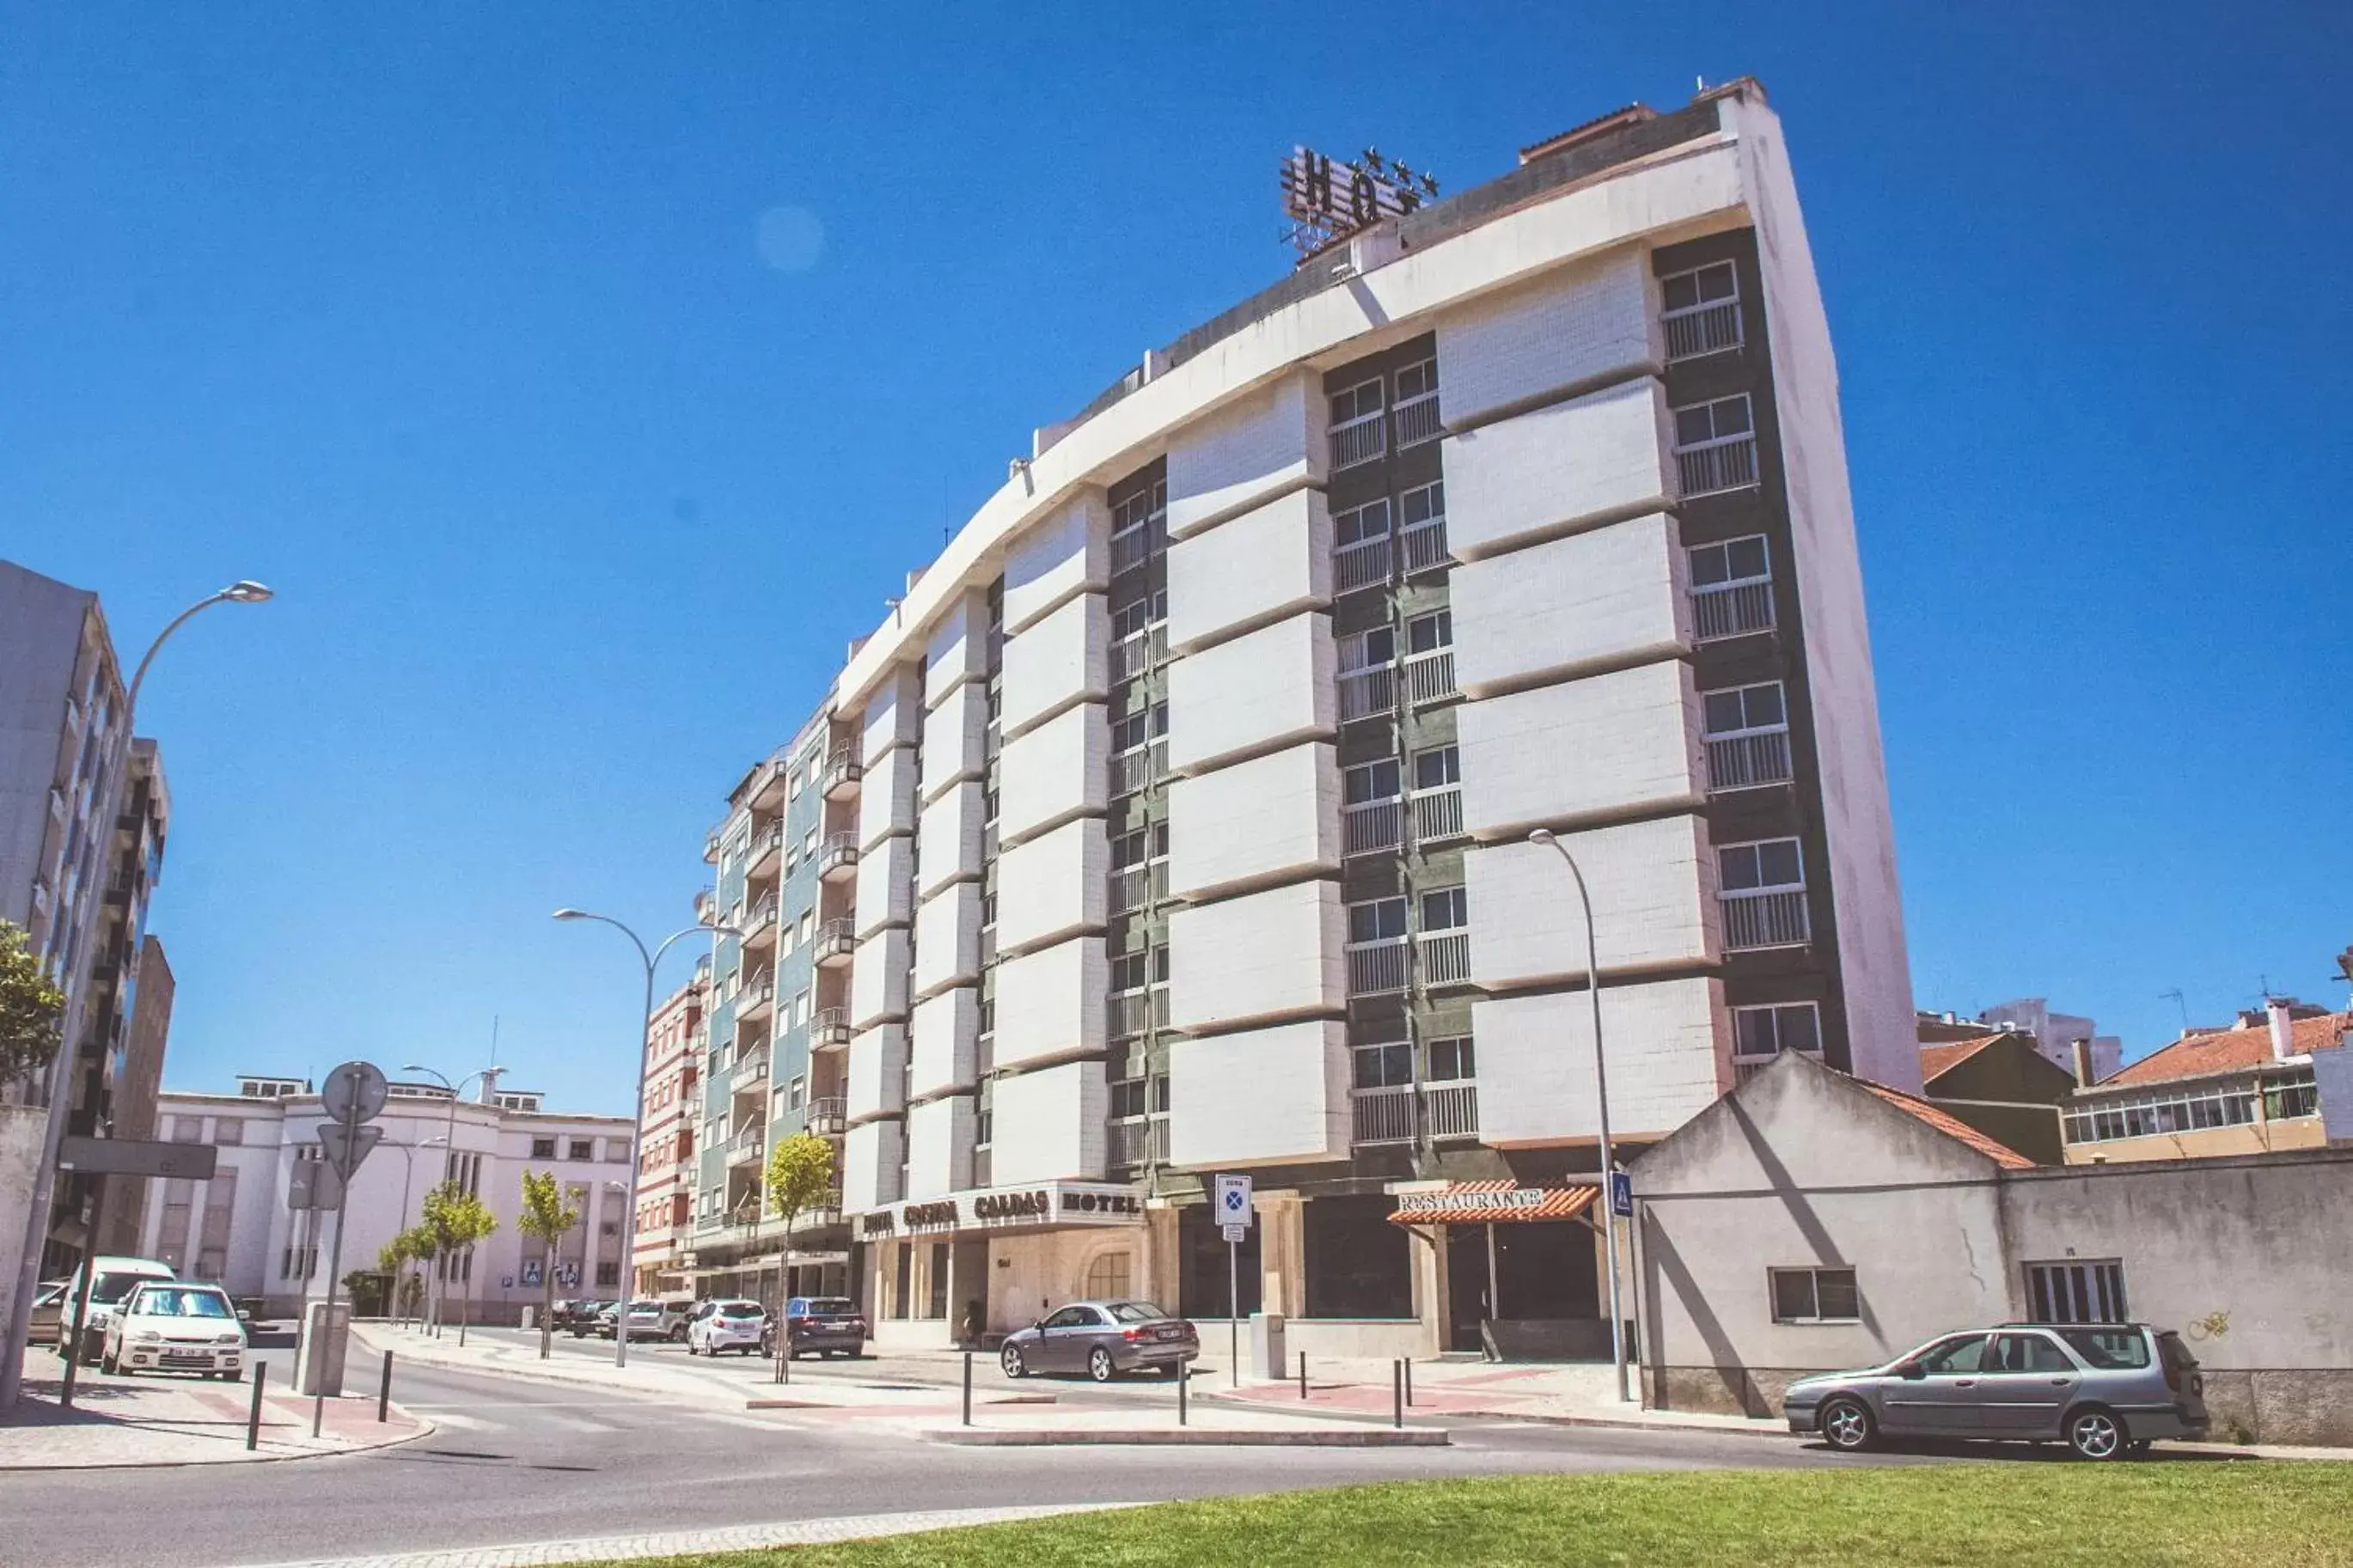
x=1233, y=1200
x=1621, y=1194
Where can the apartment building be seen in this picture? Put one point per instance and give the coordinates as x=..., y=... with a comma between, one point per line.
x=2277, y=1080
x=670, y=1113
x=236, y=1229
x=1176, y=819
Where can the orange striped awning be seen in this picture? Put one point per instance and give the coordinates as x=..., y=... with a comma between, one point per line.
x=1491, y=1203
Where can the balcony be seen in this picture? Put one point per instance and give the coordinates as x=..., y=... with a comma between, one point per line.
x=1139, y=651
x=1747, y=761
x=1139, y=1141
x=1416, y=421
x=768, y=785
x=1135, y=546
x=768, y=846
x=1430, y=677
x=746, y=1146
x=1732, y=609
x=758, y=999
x=828, y=1116
x=758, y=924
x=1138, y=769
x=1728, y=463
x=1449, y=1113
x=706, y=907
x=1770, y=919
x=1445, y=957
x=1437, y=813
x=1383, y=1115
x=1364, y=564
x=837, y=939
x=1366, y=693
x=1359, y=440
x=842, y=771
x=749, y=1071
x=1376, y=968
x=837, y=858
x=826, y=1211
x=1697, y=329
x=1370, y=827
x=1425, y=546
x=1131, y=1012
x=830, y=1030
x=711, y=846
x=1134, y=887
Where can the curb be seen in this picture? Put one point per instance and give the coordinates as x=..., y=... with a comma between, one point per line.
x=534, y=1374
x=425, y=1429
x=788, y=1402
x=1609, y=1422
x=1189, y=1437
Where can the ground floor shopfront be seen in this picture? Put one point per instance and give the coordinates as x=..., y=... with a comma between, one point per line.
x=1398, y=1269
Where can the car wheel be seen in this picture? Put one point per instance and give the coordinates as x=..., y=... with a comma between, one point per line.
x=1009, y=1358
x=1099, y=1366
x=1846, y=1426
x=677, y=1336
x=110, y=1365
x=2097, y=1434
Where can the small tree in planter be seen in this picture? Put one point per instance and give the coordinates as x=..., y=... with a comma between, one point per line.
x=799, y=1178
x=545, y=1219
x=458, y=1220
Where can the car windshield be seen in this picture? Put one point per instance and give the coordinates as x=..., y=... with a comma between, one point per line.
x=828, y=1306
x=2108, y=1350
x=112, y=1287
x=742, y=1309
x=1135, y=1311
x=167, y=1301
x=52, y=1291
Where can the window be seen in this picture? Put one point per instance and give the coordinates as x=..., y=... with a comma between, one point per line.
x=1384, y=1065
x=1735, y=561
x=1437, y=768
x=2108, y=1350
x=1724, y=420
x=1744, y=710
x=1764, y=1032
x=2070, y=1291
x=1370, y=782
x=543, y=1148
x=1445, y=908
x=1107, y=1277
x=1702, y=314
x=1369, y=649
x=1961, y=1355
x=795, y=1093
x=1716, y=447
x=1140, y=614
x=582, y=1149
x=1361, y=401
x=1450, y=1060
x=1134, y=971
x=800, y=1012
x=1774, y=863
x=1423, y=504
x=1815, y=1296
x=1139, y=730
x=1365, y=524
x=1763, y=895
x=1427, y=634
x=1377, y=921
x=2027, y=1352
x=936, y=1305
x=1130, y=1098
x=1747, y=734
x=1145, y=844
x=228, y=1130
x=608, y=1274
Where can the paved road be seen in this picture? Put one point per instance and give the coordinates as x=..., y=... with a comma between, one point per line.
x=516, y=1462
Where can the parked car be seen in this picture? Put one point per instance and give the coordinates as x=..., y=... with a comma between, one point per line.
x=654, y=1320
x=49, y=1311
x=578, y=1316
x=727, y=1325
x=1102, y=1338
x=606, y=1317
x=175, y=1327
x=112, y=1279
x=826, y=1325
x=2104, y=1389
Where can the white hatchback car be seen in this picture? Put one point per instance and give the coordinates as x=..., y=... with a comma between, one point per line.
x=176, y=1327
x=737, y=1326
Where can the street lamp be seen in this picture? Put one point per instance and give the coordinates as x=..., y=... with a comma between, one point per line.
x=1601, y=1101
x=450, y=1165
x=407, y=1170
x=60, y=1075
x=638, y=1120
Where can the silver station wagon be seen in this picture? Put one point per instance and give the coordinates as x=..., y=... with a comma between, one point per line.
x=2104, y=1389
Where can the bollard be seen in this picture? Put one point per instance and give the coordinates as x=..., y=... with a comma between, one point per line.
x=1397, y=1393
x=1409, y=1380
x=384, y=1390
x=1303, y=1374
x=253, y=1417
x=967, y=1388
x=1184, y=1380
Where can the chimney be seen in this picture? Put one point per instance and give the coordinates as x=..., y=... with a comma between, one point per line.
x=2283, y=1028
x=2083, y=1049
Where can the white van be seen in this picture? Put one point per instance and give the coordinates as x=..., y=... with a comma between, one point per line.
x=113, y=1278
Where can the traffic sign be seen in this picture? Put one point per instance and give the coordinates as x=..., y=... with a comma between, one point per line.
x=1233, y=1202
x=347, y=1146
x=1621, y=1194
x=313, y=1184
x=1236, y=1233
x=355, y=1092
x=136, y=1157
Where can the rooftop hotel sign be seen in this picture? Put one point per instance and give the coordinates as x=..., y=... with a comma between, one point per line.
x=1328, y=202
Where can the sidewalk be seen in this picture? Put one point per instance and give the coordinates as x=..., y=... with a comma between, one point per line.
x=140, y=1421
x=1560, y=1394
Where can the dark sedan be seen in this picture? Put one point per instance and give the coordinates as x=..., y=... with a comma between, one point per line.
x=824, y=1326
x=1102, y=1338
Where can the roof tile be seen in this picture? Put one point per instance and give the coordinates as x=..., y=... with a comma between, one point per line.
x=2231, y=1050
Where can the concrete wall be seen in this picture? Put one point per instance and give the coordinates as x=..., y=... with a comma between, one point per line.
x=21, y=1131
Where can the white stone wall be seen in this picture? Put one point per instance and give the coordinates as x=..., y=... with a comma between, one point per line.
x=895, y=715
x=877, y=1073
x=1257, y=447
x=870, y=1165
x=1268, y=688
x=951, y=832
x=1273, y=818
x=1049, y=1124
x=1259, y=1097
x=1270, y=562
x=1066, y=554
x=1557, y=755
x=1052, y=888
x=877, y=979
x=1653, y=884
x=1571, y=326
x=1553, y=470
x=885, y=890
x=1053, y=773
x=947, y=940
x=1265, y=956
x=886, y=796
x=1058, y=660
x=943, y=1037
x=958, y=650
x=1050, y=1002
x=954, y=740
x=1614, y=596
x=939, y=1146
x=1668, y=1059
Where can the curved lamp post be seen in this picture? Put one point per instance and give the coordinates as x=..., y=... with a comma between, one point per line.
x=449, y=1161
x=638, y=1120
x=1601, y=1100
x=60, y=1075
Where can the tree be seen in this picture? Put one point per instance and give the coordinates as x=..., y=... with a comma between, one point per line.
x=399, y=1258
x=457, y=1219
x=31, y=1009
x=799, y=1178
x=545, y=1219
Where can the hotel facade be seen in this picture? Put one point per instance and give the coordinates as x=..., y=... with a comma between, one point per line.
x=1176, y=821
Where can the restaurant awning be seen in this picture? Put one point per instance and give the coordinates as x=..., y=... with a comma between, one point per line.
x=1491, y=1203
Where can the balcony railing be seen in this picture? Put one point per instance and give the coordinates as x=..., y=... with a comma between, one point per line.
x=1451, y=1110
x=1133, y=887
x=829, y=1028
x=766, y=845
x=1425, y=545
x=1364, y=564
x=1377, y=967
x=1133, y=548
x=836, y=941
x=1131, y=1012
x=1747, y=761
x=749, y=1070
x=1139, y=1141
x=843, y=770
x=828, y=1115
x=1436, y=813
x=1416, y=421
x=1137, y=652
x=1359, y=440
x=1133, y=771
x=1729, y=464
x=747, y=1144
x=1699, y=329
x=711, y=846
x=1383, y=1115
x=837, y=857
x=756, y=997
x=758, y=923
x=1366, y=692
x=1445, y=957
x=1430, y=677
x=1732, y=609
x=706, y=905
x=1765, y=919
x=1371, y=825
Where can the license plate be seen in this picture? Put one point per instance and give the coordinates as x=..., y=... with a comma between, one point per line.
x=1172, y=1333
x=186, y=1355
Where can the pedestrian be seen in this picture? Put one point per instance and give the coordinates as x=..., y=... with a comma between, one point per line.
x=972, y=1321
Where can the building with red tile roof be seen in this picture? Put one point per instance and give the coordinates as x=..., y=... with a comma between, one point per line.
x=2213, y=1092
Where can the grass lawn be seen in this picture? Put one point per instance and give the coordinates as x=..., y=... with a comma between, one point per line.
x=2279, y=1514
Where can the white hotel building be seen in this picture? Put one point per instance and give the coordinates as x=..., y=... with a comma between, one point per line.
x=1176, y=821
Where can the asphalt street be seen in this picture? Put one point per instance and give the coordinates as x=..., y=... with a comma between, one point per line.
x=515, y=1461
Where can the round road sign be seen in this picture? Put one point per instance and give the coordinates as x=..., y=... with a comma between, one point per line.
x=354, y=1092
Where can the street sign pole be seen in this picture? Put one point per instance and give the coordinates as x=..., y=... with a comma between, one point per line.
x=1234, y=1216
x=71, y=1336
x=355, y=1095
x=334, y=1273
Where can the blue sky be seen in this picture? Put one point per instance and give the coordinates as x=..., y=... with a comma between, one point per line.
x=583, y=381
